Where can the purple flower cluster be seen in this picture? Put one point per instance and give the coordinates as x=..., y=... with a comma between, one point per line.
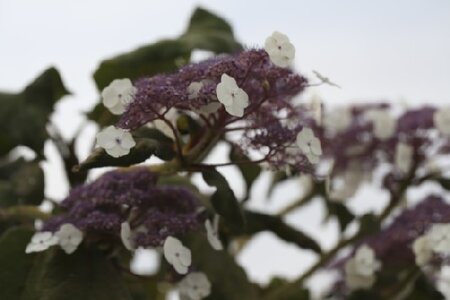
x=252, y=69
x=99, y=208
x=393, y=245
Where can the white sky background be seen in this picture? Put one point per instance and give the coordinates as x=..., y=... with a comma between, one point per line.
x=376, y=50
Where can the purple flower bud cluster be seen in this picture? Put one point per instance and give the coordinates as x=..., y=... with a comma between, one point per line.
x=154, y=212
x=358, y=143
x=393, y=245
x=252, y=70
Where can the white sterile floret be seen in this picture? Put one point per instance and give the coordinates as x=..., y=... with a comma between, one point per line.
x=212, y=233
x=361, y=268
x=422, y=250
x=177, y=255
x=439, y=238
x=403, y=157
x=117, y=142
x=383, y=123
x=309, y=145
x=442, y=120
x=338, y=119
x=231, y=96
x=41, y=241
x=194, y=286
x=118, y=94
x=193, y=89
x=280, y=49
x=210, y=108
x=126, y=235
x=69, y=238
x=443, y=281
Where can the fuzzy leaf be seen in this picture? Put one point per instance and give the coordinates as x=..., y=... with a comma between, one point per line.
x=223, y=200
x=249, y=171
x=257, y=222
x=15, y=263
x=30, y=108
x=21, y=182
x=143, y=150
x=228, y=280
x=207, y=31
x=85, y=274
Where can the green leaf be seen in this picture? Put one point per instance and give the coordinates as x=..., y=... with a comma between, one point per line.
x=250, y=171
x=86, y=274
x=223, y=200
x=161, y=57
x=341, y=212
x=299, y=293
x=257, y=222
x=228, y=280
x=15, y=264
x=144, y=149
x=364, y=294
x=369, y=224
x=21, y=182
x=24, y=116
x=444, y=182
x=207, y=31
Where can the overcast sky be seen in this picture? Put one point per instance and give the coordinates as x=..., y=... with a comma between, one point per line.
x=391, y=50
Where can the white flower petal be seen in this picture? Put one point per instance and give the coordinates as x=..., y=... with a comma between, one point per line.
x=126, y=236
x=235, y=110
x=69, y=237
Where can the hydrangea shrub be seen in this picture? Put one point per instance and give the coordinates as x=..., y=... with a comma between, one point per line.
x=155, y=104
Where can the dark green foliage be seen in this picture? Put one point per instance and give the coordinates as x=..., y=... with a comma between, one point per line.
x=15, y=264
x=206, y=31
x=257, y=222
x=24, y=116
x=85, y=274
x=228, y=280
x=250, y=171
x=143, y=150
x=21, y=182
x=224, y=201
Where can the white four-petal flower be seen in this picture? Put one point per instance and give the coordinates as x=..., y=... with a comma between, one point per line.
x=232, y=96
x=126, y=235
x=41, y=241
x=439, y=238
x=116, y=141
x=403, y=157
x=360, y=269
x=177, y=255
x=212, y=233
x=118, y=94
x=194, y=286
x=69, y=237
x=194, y=88
x=383, y=123
x=442, y=120
x=309, y=145
x=443, y=281
x=280, y=49
x=422, y=250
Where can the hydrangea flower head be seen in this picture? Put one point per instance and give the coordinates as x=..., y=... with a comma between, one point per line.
x=116, y=141
x=153, y=212
x=117, y=95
